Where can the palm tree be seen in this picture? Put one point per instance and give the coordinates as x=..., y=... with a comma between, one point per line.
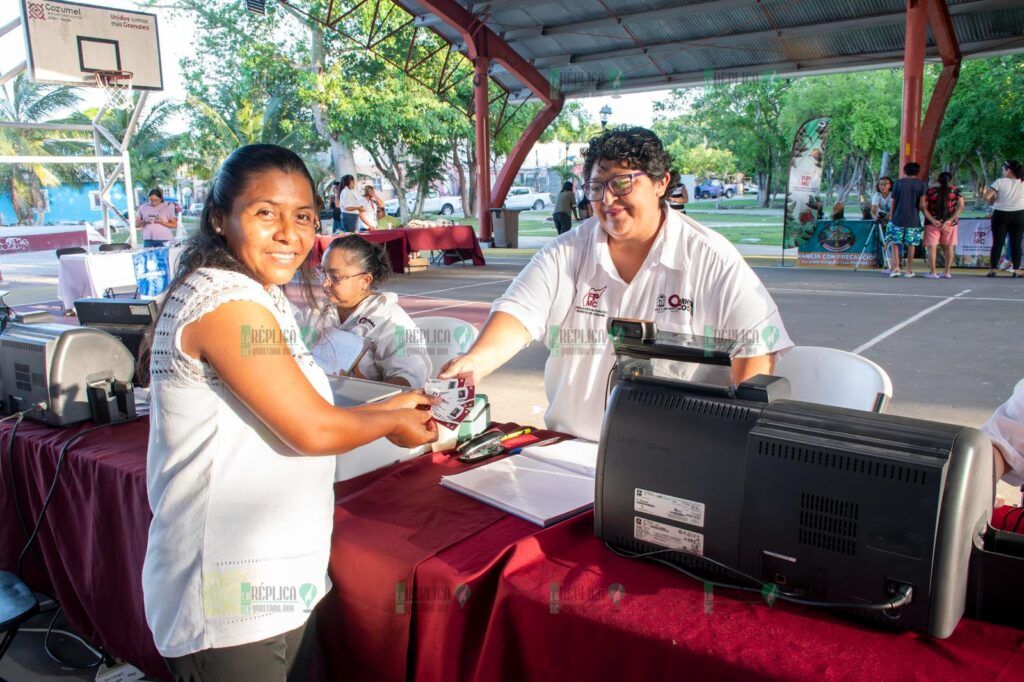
x=151, y=150
x=242, y=121
x=26, y=101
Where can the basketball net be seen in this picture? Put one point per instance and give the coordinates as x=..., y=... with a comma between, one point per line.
x=117, y=86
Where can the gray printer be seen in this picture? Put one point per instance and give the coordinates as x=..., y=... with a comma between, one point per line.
x=76, y=373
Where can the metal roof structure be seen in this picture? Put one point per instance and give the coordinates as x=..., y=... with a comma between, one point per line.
x=594, y=47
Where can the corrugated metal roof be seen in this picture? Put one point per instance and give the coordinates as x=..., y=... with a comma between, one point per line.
x=591, y=47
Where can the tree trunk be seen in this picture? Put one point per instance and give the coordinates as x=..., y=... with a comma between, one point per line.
x=984, y=166
x=883, y=168
x=473, y=180
x=342, y=160
x=852, y=181
x=460, y=171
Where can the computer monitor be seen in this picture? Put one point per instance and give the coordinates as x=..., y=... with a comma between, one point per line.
x=816, y=504
x=127, y=319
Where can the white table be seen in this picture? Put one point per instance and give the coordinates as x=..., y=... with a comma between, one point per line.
x=89, y=275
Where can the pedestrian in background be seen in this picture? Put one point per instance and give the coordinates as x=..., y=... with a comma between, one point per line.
x=905, y=227
x=565, y=209
x=942, y=206
x=1007, y=198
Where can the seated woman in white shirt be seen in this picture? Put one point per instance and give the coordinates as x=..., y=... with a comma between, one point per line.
x=635, y=258
x=352, y=268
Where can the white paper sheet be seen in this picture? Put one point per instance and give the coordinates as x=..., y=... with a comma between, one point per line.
x=536, y=491
x=575, y=455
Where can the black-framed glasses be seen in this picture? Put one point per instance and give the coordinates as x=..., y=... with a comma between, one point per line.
x=331, y=280
x=619, y=186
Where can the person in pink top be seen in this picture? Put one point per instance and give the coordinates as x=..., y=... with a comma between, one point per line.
x=157, y=219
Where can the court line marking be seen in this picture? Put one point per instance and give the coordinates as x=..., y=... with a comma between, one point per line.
x=446, y=307
x=910, y=320
x=461, y=286
x=843, y=292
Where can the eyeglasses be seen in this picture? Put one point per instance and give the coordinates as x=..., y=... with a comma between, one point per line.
x=331, y=280
x=619, y=186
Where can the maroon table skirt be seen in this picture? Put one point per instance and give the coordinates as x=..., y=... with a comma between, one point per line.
x=394, y=242
x=432, y=585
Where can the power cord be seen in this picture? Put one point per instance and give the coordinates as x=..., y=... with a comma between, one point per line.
x=11, y=475
x=53, y=487
x=38, y=524
x=903, y=596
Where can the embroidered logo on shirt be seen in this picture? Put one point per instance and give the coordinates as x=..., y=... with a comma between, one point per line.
x=367, y=322
x=673, y=303
x=592, y=297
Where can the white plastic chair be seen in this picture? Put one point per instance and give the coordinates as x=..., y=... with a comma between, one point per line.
x=446, y=337
x=829, y=376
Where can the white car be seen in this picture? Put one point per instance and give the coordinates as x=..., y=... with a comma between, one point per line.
x=526, y=199
x=433, y=203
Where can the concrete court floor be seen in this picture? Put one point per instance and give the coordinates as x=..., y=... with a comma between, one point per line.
x=951, y=347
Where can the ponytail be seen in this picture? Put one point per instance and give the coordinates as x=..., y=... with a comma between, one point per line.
x=1016, y=168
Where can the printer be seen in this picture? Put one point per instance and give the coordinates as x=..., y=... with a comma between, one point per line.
x=817, y=504
x=73, y=374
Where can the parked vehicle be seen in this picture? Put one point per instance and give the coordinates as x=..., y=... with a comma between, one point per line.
x=196, y=209
x=442, y=204
x=713, y=188
x=526, y=199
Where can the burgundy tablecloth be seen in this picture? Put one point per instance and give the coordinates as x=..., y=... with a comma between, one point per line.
x=432, y=585
x=394, y=242
x=93, y=537
x=459, y=242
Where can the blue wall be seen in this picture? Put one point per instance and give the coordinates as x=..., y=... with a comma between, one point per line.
x=68, y=203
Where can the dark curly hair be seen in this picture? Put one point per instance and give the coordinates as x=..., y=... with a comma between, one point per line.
x=633, y=146
x=372, y=258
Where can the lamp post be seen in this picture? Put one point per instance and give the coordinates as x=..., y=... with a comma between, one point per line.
x=605, y=112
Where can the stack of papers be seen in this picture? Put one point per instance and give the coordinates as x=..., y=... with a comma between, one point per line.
x=542, y=485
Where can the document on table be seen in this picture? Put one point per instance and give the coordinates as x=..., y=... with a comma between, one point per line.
x=339, y=351
x=540, y=491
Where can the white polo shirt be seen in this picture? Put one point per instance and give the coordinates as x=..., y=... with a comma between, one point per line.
x=693, y=281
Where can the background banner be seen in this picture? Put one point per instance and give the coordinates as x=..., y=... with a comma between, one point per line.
x=152, y=270
x=802, y=189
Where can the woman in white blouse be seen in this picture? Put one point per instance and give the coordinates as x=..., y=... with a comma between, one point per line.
x=242, y=501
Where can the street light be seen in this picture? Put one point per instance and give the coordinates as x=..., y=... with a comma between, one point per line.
x=606, y=112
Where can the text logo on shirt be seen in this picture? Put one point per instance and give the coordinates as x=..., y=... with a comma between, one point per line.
x=673, y=303
x=592, y=297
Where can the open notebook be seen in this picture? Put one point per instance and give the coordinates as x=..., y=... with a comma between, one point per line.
x=541, y=484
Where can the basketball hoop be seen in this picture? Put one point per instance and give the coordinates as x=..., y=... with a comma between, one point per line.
x=117, y=85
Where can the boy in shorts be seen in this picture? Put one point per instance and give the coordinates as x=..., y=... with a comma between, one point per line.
x=905, y=225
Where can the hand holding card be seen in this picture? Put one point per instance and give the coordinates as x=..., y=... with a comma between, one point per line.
x=456, y=397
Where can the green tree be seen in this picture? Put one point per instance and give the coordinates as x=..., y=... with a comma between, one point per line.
x=24, y=101
x=984, y=123
x=744, y=118
x=865, y=108
x=703, y=161
x=152, y=150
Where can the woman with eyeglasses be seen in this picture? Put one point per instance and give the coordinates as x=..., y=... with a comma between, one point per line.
x=352, y=268
x=636, y=259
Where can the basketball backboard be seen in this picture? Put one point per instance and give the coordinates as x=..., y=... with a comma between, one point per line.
x=68, y=42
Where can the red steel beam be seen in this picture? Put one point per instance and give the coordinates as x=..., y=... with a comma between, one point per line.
x=949, y=50
x=484, y=45
x=913, y=81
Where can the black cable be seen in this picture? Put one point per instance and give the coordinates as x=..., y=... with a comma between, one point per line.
x=14, y=488
x=906, y=592
x=61, y=661
x=53, y=486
